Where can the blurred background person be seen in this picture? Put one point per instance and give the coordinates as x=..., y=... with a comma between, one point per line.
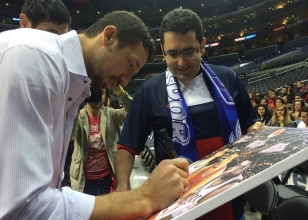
x=304, y=118
x=281, y=118
x=287, y=102
x=297, y=108
x=263, y=114
x=278, y=102
x=252, y=95
x=255, y=102
x=95, y=135
x=264, y=101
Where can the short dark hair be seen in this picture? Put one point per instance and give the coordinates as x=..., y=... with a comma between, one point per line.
x=280, y=100
x=298, y=94
x=181, y=21
x=130, y=30
x=267, y=114
x=304, y=109
x=53, y=11
x=265, y=100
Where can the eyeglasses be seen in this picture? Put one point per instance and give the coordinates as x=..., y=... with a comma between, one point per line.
x=189, y=53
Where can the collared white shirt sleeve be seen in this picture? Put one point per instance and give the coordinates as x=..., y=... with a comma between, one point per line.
x=34, y=82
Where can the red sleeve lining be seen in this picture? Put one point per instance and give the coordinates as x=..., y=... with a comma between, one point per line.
x=132, y=152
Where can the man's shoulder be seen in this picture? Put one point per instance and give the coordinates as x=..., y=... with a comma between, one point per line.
x=222, y=70
x=153, y=83
x=33, y=38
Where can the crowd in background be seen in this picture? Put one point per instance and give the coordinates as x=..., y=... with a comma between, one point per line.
x=281, y=108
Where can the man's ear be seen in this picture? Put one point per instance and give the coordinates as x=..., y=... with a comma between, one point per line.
x=203, y=42
x=24, y=22
x=109, y=35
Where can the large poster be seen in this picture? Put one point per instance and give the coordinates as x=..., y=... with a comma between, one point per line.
x=237, y=168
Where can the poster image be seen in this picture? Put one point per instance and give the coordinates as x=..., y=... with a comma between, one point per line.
x=236, y=168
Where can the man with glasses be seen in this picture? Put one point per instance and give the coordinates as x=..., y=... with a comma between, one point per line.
x=202, y=107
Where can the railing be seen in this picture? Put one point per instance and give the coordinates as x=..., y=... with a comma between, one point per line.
x=292, y=67
x=241, y=76
x=253, y=71
x=259, y=78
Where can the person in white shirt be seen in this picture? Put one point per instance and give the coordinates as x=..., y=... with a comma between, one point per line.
x=304, y=118
x=45, y=15
x=44, y=78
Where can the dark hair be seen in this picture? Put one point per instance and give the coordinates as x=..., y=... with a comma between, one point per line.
x=291, y=85
x=253, y=95
x=53, y=11
x=266, y=114
x=108, y=92
x=297, y=94
x=114, y=102
x=265, y=100
x=181, y=21
x=287, y=98
x=256, y=100
x=280, y=100
x=130, y=30
x=302, y=104
x=305, y=109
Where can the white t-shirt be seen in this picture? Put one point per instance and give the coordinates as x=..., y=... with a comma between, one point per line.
x=301, y=125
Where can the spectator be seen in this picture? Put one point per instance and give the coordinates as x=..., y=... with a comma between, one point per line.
x=95, y=136
x=252, y=95
x=304, y=118
x=281, y=118
x=264, y=101
x=278, y=102
x=301, y=88
x=255, y=102
x=287, y=102
x=290, y=92
x=263, y=114
x=296, y=110
x=272, y=98
x=283, y=91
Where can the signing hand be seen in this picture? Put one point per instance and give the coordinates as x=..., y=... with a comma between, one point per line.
x=166, y=183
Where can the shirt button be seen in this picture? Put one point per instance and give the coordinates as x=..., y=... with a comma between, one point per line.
x=69, y=99
x=85, y=81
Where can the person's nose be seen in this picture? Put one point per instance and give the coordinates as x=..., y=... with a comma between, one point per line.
x=181, y=60
x=125, y=78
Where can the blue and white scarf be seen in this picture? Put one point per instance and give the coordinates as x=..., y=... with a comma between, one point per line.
x=183, y=131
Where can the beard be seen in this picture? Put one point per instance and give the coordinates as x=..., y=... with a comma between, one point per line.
x=98, y=72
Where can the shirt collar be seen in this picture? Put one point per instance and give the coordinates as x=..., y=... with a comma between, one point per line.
x=72, y=53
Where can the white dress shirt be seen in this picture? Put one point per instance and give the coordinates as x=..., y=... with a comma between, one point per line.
x=43, y=80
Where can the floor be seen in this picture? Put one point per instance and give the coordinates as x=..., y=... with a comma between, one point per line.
x=140, y=173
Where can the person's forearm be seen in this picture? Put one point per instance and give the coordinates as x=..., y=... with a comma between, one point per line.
x=124, y=163
x=161, y=189
x=131, y=204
